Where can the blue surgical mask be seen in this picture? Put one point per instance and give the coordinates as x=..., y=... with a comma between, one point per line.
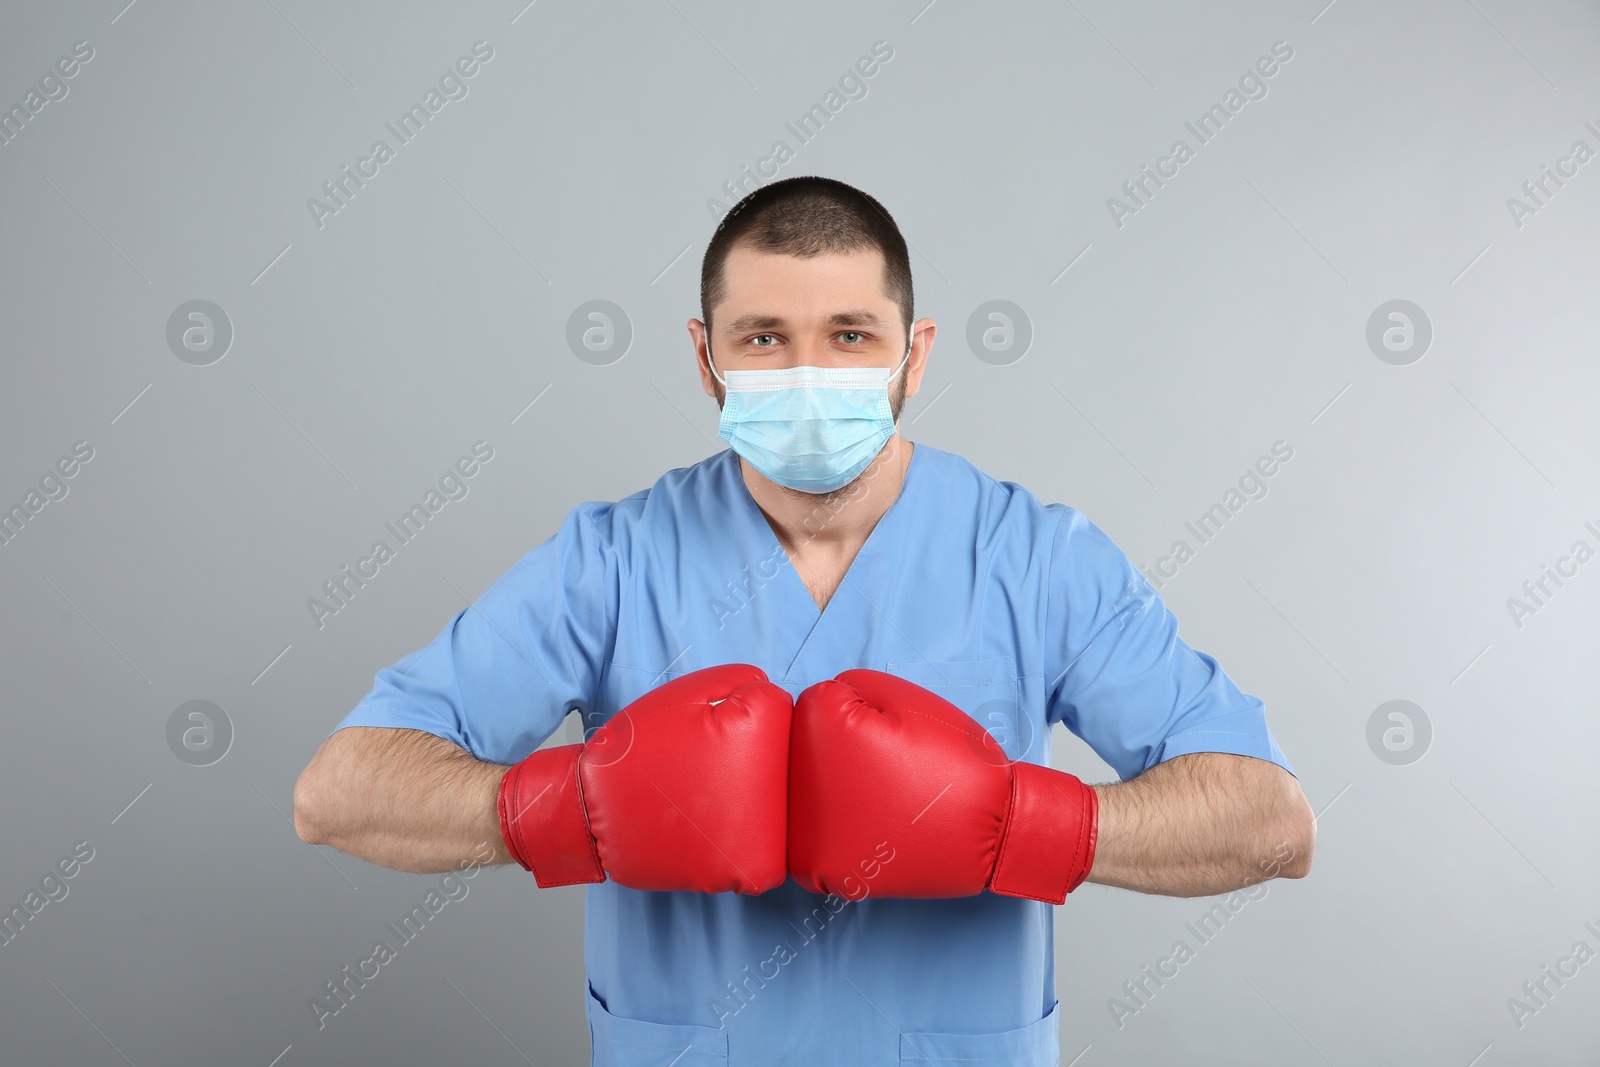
x=810, y=428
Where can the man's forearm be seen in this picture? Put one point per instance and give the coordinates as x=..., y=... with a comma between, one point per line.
x=1201, y=824
x=403, y=799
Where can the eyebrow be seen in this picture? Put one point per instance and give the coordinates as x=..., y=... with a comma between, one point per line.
x=852, y=317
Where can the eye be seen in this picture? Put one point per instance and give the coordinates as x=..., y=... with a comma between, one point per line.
x=853, y=333
x=757, y=337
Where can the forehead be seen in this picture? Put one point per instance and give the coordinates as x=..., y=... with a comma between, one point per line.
x=832, y=283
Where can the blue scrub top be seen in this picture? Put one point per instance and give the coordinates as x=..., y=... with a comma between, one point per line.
x=1020, y=613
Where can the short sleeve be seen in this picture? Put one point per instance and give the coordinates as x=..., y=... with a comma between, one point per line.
x=1121, y=678
x=505, y=671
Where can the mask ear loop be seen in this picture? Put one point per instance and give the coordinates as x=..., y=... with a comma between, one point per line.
x=713, y=363
x=897, y=370
x=903, y=362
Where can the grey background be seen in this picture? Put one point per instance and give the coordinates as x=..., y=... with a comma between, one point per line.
x=369, y=354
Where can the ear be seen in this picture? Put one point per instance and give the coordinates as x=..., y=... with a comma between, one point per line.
x=923, y=332
x=697, y=337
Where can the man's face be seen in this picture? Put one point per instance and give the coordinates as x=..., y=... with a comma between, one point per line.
x=826, y=311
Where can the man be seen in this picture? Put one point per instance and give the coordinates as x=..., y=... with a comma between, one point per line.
x=932, y=622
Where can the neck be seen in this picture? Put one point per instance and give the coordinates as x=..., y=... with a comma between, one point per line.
x=832, y=521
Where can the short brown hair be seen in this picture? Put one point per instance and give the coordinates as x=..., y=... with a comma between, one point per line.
x=807, y=216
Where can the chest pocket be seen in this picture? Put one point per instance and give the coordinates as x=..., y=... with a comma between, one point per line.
x=990, y=691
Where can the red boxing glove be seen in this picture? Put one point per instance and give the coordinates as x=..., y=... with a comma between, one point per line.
x=676, y=792
x=876, y=760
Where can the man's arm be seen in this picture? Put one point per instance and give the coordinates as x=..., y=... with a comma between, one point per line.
x=1203, y=823
x=715, y=740
x=401, y=798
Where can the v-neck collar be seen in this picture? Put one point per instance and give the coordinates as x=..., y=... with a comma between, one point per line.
x=868, y=576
